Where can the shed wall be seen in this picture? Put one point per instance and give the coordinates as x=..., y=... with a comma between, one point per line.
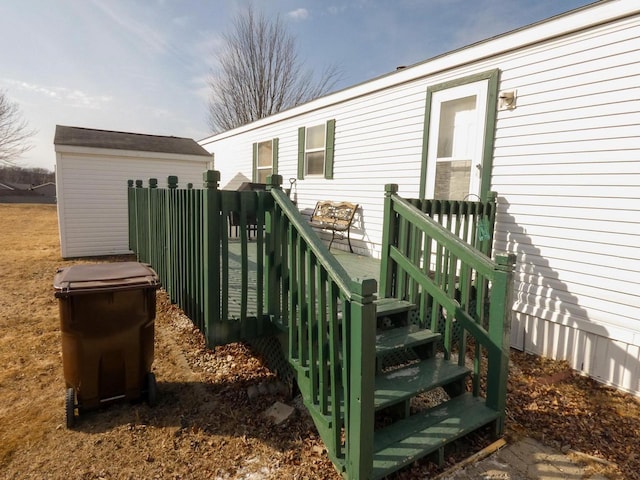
x=92, y=197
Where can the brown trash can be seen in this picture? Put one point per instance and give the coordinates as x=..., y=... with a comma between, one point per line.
x=107, y=315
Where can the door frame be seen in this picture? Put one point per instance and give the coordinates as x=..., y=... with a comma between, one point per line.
x=492, y=76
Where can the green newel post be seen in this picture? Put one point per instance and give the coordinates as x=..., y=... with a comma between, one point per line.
x=499, y=329
x=138, y=196
x=388, y=236
x=362, y=358
x=273, y=252
x=151, y=240
x=132, y=215
x=172, y=185
x=211, y=253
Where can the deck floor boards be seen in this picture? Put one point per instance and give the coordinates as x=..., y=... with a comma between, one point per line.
x=357, y=266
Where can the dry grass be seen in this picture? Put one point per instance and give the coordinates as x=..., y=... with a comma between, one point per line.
x=204, y=425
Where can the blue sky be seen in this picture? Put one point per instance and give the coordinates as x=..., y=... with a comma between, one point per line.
x=142, y=65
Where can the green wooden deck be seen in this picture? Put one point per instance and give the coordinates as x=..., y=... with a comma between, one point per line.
x=357, y=266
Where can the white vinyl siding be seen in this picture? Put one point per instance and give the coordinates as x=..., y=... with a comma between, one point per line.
x=567, y=170
x=92, y=198
x=566, y=167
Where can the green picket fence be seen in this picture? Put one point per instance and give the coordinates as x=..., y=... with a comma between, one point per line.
x=185, y=235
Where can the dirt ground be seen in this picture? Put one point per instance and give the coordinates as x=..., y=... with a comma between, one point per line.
x=205, y=425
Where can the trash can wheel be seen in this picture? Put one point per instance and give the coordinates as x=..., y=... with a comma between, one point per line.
x=70, y=407
x=152, y=389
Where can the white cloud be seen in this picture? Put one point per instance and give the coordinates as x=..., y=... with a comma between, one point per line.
x=299, y=14
x=69, y=97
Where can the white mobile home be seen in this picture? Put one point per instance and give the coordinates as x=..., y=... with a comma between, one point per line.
x=547, y=116
x=92, y=169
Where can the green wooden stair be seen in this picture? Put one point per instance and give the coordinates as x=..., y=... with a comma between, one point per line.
x=412, y=437
x=427, y=432
x=409, y=437
x=405, y=383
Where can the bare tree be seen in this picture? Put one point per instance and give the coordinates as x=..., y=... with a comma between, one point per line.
x=14, y=131
x=260, y=73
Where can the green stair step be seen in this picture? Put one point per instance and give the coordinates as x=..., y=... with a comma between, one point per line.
x=405, y=441
x=403, y=337
x=402, y=384
x=391, y=306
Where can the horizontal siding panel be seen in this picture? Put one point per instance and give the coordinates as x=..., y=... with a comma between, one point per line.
x=507, y=189
x=598, y=320
x=572, y=292
x=631, y=155
x=629, y=214
x=574, y=49
x=543, y=117
x=579, y=179
x=613, y=167
x=570, y=281
x=597, y=71
x=586, y=146
x=625, y=265
x=557, y=267
x=586, y=225
x=627, y=207
x=627, y=248
x=579, y=134
x=585, y=307
x=567, y=124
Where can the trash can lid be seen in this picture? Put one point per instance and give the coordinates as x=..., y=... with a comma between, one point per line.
x=104, y=277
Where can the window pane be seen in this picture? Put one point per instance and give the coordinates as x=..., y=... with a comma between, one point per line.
x=315, y=163
x=315, y=137
x=452, y=180
x=263, y=173
x=457, y=128
x=265, y=157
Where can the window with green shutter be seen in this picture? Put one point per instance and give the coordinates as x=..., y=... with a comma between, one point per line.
x=265, y=160
x=315, y=150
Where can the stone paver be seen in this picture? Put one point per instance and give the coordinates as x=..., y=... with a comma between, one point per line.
x=525, y=459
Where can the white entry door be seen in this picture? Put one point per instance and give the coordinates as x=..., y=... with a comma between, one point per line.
x=456, y=141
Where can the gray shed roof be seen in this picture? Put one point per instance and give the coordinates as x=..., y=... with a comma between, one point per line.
x=88, y=137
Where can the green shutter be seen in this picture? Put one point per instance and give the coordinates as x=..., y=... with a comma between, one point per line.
x=301, y=133
x=328, y=153
x=274, y=152
x=254, y=172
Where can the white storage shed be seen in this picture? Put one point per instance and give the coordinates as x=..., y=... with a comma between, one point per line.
x=92, y=169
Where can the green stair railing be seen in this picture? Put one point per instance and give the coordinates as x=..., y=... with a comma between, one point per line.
x=330, y=321
x=460, y=292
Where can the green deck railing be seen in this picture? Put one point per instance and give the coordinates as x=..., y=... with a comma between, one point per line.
x=284, y=283
x=460, y=291
x=289, y=283
x=184, y=234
